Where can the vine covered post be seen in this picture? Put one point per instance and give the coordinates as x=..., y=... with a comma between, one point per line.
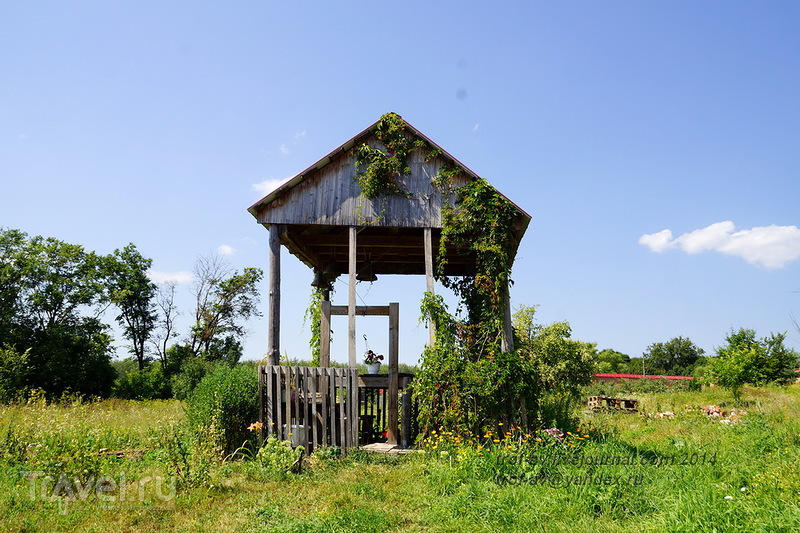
x=325, y=335
x=428, y=244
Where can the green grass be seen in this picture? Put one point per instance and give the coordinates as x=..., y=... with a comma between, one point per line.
x=514, y=484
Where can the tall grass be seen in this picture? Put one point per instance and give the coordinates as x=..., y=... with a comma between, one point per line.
x=687, y=473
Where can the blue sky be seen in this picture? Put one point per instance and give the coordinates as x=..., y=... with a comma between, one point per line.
x=656, y=145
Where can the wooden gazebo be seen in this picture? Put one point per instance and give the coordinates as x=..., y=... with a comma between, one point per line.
x=321, y=216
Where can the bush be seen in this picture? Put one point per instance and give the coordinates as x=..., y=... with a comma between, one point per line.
x=276, y=458
x=191, y=373
x=223, y=404
x=13, y=372
x=150, y=383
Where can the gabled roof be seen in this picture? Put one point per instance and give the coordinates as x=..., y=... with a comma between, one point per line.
x=354, y=141
x=315, y=207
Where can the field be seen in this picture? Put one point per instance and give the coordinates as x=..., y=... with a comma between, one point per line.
x=134, y=466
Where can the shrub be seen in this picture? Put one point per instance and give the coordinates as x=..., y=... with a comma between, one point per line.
x=191, y=373
x=150, y=383
x=223, y=404
x=13, y=372
x=276, y=457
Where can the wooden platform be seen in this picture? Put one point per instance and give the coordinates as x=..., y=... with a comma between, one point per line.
x=386, y=448
x=599, y=403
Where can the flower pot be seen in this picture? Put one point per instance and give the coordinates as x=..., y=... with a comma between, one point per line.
x=374, y=368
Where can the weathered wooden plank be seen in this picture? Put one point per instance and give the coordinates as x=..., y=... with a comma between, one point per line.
x=353, y=404
x=360, y=310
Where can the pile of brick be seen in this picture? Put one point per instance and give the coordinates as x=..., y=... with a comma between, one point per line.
x=733, y=416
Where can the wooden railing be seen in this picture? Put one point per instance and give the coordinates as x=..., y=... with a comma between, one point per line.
x=309, y=406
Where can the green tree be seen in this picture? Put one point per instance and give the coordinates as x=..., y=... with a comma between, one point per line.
x=53, y=296
x=612, y=362
x=224, y=300
x=132, y=292
x=13, y=373
x=676, y=357
x=561, y=367
x=747, y=360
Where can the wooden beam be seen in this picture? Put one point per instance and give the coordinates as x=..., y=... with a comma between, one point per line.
x=274, y=312
x=351, y=304
x=361, y=310
x=394, y=354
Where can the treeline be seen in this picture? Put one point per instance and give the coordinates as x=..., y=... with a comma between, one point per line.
x=762, y=361
x=54, y=297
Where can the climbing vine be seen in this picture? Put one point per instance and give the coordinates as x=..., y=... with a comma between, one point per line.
x=379, y=171
x=481, y=225
x=468, y=383
x=313, y=317
x=459, y=392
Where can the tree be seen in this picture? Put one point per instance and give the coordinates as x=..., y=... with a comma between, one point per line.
x=13, y=373
x=224, y=300
x=561, y=367
x=677, y=356
x=167, y=313
x=53, y=296
x=133, y=293
x=747, y=360
x=612, y=362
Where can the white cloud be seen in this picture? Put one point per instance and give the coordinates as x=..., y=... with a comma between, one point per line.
x=658, y=242
x=170, y=277
x=709, y=238
x=767, y=246
x=225, y=249
x=285, y=149
x=475, y=128
x=267, y=186
x=299, y=135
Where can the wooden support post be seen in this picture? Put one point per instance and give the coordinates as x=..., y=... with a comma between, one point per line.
x=274, y=312
x=428, y=252
x=325, y=335
x=394, y=354
x=405, y=432
x=507, y=341
x=351, y=303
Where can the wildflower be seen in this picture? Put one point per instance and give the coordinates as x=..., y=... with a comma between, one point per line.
x=255, y=426
x=728, y=497
x=555, y=432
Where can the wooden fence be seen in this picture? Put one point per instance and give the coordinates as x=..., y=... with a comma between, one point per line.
x=309, y=406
